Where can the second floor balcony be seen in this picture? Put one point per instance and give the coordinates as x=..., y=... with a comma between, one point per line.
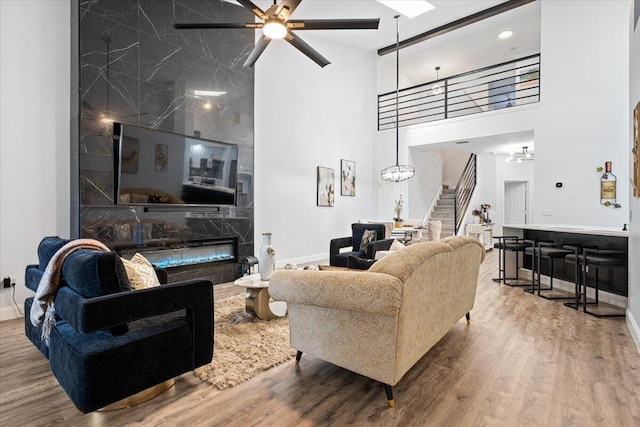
x=499, y=86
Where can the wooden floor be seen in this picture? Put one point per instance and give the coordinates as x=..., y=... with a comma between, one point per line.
x=524, y=360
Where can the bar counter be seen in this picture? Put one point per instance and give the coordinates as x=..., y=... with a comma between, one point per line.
x=611, y=280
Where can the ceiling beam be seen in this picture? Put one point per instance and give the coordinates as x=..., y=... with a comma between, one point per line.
x=451, y=26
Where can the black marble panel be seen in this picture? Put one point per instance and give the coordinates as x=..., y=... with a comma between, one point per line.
x=134, y=67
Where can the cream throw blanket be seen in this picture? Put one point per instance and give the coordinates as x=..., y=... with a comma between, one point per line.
x=42, y=308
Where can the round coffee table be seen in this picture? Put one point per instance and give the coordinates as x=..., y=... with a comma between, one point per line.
x=257, y=299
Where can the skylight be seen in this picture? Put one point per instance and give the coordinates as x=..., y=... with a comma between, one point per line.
x=409, y=8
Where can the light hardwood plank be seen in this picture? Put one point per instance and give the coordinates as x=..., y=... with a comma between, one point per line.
x=523, y=360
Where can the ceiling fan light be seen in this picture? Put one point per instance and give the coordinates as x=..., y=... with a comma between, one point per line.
x=436, y=89
x=274, y=29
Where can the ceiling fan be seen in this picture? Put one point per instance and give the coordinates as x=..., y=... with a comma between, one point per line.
x=277, y=25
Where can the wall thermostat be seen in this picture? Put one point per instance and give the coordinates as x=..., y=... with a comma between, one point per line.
x=558, y=184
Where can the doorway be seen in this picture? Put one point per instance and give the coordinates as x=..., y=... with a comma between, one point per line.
x=516, y=205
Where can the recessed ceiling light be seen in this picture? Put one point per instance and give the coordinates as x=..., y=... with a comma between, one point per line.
x=208, y=93
x=462, y=142
x=505, y=34
x=409, y=8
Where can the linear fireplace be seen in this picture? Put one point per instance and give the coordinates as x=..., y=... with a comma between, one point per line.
x=188, y=253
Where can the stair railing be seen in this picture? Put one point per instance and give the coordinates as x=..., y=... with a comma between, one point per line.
x=508, y=84
x=463, y=193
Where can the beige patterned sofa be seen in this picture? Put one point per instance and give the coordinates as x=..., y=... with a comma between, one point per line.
x=380, y=322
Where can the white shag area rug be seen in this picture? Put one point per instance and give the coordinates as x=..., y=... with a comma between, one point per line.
x=244, y=346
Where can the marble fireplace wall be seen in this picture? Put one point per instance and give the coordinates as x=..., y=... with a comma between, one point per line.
x=135, y=68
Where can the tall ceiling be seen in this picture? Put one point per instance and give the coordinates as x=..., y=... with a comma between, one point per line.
x=466, y=49
x=469, y=48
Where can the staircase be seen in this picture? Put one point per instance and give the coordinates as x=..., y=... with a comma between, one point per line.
x=444, y=211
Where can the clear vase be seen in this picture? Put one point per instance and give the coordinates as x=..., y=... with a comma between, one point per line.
x=266, y=258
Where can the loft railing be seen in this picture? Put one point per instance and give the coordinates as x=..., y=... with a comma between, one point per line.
x=464, y=191
x=499, y=86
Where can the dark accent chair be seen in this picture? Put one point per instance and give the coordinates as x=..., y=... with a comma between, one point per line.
x=339, y=259
x=107, y=347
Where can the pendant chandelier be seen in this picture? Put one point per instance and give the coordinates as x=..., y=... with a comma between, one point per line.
x=397, y=172
x=437, y=89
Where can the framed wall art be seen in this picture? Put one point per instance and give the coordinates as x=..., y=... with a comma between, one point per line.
x=635, y=151
x=326, y=186
x=347, y=177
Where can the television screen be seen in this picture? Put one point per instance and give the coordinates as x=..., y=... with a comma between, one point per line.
x=156, y=167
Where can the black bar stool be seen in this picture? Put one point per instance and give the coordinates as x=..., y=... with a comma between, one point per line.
x=501, y=263
x=515, y=245
x=575, y=258
x=602, y=258
x=550, y=251
x=533, y=250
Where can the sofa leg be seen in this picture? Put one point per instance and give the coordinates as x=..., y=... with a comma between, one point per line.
x=468, y=316
x=389, y=392
x=298, y=356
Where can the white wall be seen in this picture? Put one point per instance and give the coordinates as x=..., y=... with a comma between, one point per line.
x=426, y=186
x=493, y=172
x=633, y=314
x=577, y=126
x=307, y=116
x=584, y=119
x=34, y=134
x=453, y=163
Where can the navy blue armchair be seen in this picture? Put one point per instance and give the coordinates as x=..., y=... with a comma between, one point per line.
x=340, y=258
x=104, y=348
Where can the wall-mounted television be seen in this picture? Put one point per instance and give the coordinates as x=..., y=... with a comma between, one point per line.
x=154, y=167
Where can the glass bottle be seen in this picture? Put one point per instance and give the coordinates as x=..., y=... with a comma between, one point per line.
x=608, y=186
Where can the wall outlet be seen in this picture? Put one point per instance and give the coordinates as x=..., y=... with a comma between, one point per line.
x=546, y=212
x=8, y=282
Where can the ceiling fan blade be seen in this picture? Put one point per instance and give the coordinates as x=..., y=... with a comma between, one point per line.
x=260, y=46
x=248, y=4
x=286, y=8
x=334, y=24
x=219, y=25
x=303, y=47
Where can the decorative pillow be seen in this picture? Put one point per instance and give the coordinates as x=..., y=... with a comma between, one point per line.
x=367, y=237
x=140, y=272
x=396, y=245
x=93, y=273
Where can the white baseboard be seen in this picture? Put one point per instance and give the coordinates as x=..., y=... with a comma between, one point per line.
x=634, y=328
x=8, y=313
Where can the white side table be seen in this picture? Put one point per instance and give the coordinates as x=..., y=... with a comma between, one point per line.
x=257, y=299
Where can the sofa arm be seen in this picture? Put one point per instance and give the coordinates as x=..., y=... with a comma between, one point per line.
x=336, y=244
x=87, y=315
x=343, y=290
x=378, y=245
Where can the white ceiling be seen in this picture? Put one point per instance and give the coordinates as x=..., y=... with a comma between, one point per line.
x=469, y=48
x=466, y=49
